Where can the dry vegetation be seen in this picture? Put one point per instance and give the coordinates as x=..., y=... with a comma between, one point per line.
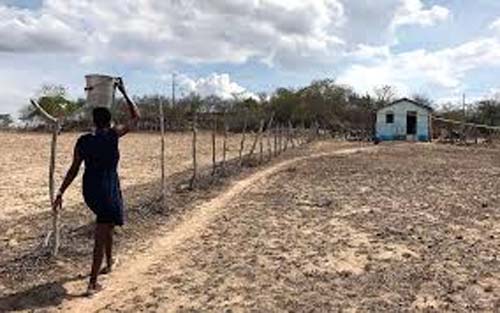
x=406, y=227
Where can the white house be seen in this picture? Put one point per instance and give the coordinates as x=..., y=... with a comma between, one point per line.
x=404, y=119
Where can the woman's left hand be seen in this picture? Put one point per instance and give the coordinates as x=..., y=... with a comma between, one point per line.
x=57, y=202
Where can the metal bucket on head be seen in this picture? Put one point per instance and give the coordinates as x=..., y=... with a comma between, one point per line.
x=100, y=90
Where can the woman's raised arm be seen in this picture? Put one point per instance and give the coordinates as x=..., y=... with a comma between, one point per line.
x=133, y=110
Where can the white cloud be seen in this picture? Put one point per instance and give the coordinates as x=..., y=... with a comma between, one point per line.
x=444, y=68
x=375, y=23
x=371, y=52
x=23, y=30
x=215, y=84
x=495, y=25
x=155, y=32
x=162, y=31
x=152, y=35
x=412, y=12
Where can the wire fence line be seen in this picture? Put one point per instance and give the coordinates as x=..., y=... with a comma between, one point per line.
x=262, y=136
x=461, y=132
x=252, y=131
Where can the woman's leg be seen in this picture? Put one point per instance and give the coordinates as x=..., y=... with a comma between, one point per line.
x=109, y=246
x=100, y=238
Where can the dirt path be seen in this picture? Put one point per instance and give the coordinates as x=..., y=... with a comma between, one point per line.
x=133, y=274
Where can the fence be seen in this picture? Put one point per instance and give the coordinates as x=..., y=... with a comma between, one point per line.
x=256, y=130
x=237, y=140
x=452, y=131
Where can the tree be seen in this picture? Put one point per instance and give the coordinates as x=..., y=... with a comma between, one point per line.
x=5, y=120
x=326, y=102
x=487, y=112
x=284, y=102
x=385, y=94
x=54, y=100
x=423, y=99
x=211, y=103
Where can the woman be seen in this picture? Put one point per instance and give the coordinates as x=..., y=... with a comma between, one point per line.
x=101, y=185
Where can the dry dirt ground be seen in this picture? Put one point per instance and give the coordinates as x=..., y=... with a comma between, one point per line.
x=24, y=161
x=31, y=278
x=389, y=228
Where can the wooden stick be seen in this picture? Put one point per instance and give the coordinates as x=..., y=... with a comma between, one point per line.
x=55, y=210
x=268, y=135
x=162, y=156
x=45, y=115
x=242, y=142
x=280, y=139
x=269, y=143
x=214, y=159
x=301, y=133
x=261, y=154
x=224, y=142
x=291, y=133
x=287, y=137
x=278, y=148
x=257, y=138
x=52, y=166
x=275, y=136
x=195, y=163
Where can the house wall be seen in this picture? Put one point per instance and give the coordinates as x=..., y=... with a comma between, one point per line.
x=397, y=130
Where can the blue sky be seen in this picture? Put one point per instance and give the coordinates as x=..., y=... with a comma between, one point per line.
x=440, y=48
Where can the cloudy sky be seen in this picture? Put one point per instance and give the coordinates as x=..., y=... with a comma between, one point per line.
x=440, y=48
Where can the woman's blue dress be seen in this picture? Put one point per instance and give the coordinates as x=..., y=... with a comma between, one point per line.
x=101, y=184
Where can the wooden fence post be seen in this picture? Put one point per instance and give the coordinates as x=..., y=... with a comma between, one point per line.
x=257, y=138
x=162, y=156
x=302, y=133
x=269, y=134
x=195, y=163
x=277, y=136
x=214, y=133
x=291, y=132
x=261, y=154
x=283, y=138
x=224, y=142
x=269, y=143
x=55, y=213
x=280, y=138
x=55, y=125
x=278, y=143
x=242, y=143
x=286, y=132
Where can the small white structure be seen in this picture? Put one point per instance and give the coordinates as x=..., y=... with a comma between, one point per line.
x=404, y=119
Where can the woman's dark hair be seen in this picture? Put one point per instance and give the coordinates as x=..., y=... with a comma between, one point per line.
x=102, y=117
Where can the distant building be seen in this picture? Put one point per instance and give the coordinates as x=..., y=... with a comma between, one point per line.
x=404, y=119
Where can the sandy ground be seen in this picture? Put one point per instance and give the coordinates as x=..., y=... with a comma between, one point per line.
x=393, y=228
x=24, y=160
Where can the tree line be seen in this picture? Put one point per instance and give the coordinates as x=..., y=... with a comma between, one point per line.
x=331, y=106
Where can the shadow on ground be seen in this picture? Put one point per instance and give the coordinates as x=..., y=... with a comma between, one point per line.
x=39, y=297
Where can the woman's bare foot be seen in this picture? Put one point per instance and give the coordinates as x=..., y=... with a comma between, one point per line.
x=109, y=267
x=92, y=289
